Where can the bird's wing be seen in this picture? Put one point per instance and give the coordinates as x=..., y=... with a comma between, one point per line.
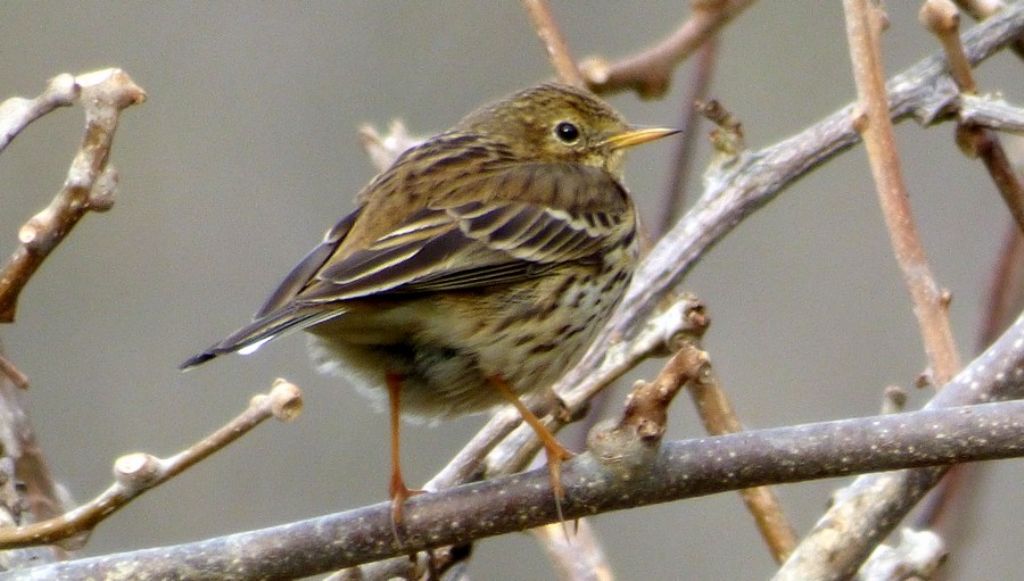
x=306, y=270
x=467, y=245
x=460, y=245
x=279, y=315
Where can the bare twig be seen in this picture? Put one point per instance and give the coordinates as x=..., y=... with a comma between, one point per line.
x=681, y=469
x=13, y=373
x=864, y=27
x=554, y=42
x=918, y=555
x=755, y=178
x=136, y=473
x=985, y=143
x=675, y=192
x=1005, y=295
x=716, y=412
x=982, y=9
x=21, y=461
x=43, y=494
x=646, y=412
x=581, y=559
x=649, y=73
x=384, y=149
x=16, y=113
x=104, y=94
x=943, y=20
x=990, y=112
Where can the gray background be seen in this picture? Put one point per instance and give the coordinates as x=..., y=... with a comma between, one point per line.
x=246, y=151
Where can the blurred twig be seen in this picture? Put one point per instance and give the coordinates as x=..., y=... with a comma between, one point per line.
x=686, y=147
x=649, y=72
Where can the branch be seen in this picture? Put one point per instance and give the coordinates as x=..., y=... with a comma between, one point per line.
x=864, y=27
x=987, y=111
x=874, y=504
x=649, y=73
x=683, y=469
x=982, y=9
x=717, y=415
x=90, y=181
x=756, y=178
x=731, y=194
x=554, y=42
x=136, y=473
x=16, y=113
x=943, y=20
x=686, y=147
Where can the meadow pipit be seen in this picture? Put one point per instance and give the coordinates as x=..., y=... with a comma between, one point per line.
x=476, y=268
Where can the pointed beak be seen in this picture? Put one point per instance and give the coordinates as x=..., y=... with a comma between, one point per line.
x=636, y=136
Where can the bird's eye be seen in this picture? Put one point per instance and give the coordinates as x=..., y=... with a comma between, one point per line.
x=567, y=132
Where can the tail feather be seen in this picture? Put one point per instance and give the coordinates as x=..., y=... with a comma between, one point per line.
x=264, y=329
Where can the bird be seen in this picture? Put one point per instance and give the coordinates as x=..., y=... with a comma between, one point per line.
x=476, y=269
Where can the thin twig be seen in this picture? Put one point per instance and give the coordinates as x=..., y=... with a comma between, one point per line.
x=982, y=9
x=550, y=34
x=44, y=495
x=717, y=414
x=582, y=558
x=104, y=94
x=864, y=27
x=13, y=373
x=755, y=178
x=943, y=20
x=36, y=495
x=675, y=192
x=1005, y=296
x=991, y=112
x=649, y=73
x=17, y=113
x=136, y=473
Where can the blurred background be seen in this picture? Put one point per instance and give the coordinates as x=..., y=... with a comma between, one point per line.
x=246, y=151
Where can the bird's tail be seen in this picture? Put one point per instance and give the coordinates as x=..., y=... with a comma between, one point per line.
x=261, y=331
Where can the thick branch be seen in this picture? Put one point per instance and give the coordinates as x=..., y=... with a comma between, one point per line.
x=874, y=504
x=682, y=469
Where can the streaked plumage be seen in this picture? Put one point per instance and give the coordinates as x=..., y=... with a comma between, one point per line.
x=495, y=249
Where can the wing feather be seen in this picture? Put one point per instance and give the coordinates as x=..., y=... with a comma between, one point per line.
x=468, y=245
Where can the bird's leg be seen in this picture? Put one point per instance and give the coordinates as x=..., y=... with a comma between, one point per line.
x=397, y=489
x=556, y=453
